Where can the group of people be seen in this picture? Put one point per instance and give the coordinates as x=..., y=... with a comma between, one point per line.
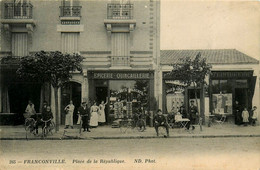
x=46, y=114
x=243, y=116
x=90, y=116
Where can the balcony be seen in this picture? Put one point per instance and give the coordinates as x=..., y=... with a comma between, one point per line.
x=70, y=11
x=18, y=11
x=120, y=18
x=120, y=61
x=120, y=11
x=70, y=15
x=19, y=15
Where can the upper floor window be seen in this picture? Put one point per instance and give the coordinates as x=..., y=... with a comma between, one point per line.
x=70, y=8
x=122, y=9
x=19, y=9
x=19, y=44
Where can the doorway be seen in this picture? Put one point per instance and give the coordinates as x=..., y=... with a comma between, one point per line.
x=70, y=91
x=19, y=94
x=241, y=96
x=101, y=95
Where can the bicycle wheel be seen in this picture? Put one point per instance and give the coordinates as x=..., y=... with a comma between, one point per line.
x=51, y=127
x=44, y=132
x=140, y=125
x=123, y=126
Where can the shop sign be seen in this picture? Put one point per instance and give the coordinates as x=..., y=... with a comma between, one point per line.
x=175, y=90
x=129, y=91
x=231, y=74
x=103, y=75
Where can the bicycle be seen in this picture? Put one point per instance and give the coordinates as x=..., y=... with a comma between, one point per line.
x=47, y=129
x=139, y=124
x=30, y=126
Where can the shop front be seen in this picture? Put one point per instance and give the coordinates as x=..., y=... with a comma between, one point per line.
x=227, y=87
x=125, y=92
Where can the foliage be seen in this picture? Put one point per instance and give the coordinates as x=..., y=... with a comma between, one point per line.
x=191, y=72
x=54, y=67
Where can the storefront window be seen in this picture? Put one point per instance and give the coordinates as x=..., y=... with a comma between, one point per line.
x=128, y=97
x=222, y=96
x=215, y=86
x=241, y=84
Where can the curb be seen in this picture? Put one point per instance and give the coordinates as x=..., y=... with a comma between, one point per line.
x=133, y=137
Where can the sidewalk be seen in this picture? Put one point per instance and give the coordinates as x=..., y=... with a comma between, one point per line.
x=106, y=132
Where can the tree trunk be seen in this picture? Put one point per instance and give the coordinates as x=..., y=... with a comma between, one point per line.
x=57, y=121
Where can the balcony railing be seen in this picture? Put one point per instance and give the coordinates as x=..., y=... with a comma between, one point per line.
x=120, y=61
x=120, y=11
x=18, y=11
x=70, y=11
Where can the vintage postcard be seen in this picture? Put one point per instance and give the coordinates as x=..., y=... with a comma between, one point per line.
x=129, y=84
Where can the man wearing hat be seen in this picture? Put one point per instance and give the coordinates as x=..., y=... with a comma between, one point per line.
x=160, y=120
x=84, y=113
x=193, y=112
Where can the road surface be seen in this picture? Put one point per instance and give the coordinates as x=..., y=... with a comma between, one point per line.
x=172, y=153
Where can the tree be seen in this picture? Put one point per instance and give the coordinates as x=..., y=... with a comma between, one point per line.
x=191, y=72
x=53, y=67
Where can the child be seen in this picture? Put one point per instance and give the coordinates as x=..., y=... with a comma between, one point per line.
x=245, y=116
x=254, y=116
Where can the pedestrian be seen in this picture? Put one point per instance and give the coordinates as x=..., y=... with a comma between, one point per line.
x=183, y=112
x=84, y=113
x=245, y=116
x=47, y=116
x=193, y=113
x=160, y=120
x=44, y=106
x=254, y=116
x=69, y=110
x=94, y=115
x=30, y=111
x=101, y=113
x=237, y=113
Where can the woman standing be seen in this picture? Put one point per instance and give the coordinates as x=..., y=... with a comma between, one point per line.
x=94, y=115
x=101, y=113
x=69, y=109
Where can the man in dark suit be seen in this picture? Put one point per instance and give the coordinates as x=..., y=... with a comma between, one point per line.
x=193, y=113
x=85, y=116
x=160, y=120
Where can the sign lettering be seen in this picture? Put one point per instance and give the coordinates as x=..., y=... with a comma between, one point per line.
x=102, y=75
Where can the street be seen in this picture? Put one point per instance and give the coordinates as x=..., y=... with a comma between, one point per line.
x=163, y=153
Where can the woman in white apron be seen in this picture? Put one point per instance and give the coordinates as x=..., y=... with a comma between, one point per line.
x=69, y=109
x=94, y=115
x=101, y=113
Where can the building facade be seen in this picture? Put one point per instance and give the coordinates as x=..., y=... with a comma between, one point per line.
x=119, y=40
x=234, y=77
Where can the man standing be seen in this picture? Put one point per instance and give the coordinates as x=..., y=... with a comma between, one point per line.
x=85, y=116
x=193, y=113
x=237, y=113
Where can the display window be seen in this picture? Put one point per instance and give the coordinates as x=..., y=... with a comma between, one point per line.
x=128, y=97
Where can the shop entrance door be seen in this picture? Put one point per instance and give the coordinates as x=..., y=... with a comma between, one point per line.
x=70, y=91
x=242, y=97
x=101, y=94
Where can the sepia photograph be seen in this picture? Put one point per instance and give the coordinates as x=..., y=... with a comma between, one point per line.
x=130, y=84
